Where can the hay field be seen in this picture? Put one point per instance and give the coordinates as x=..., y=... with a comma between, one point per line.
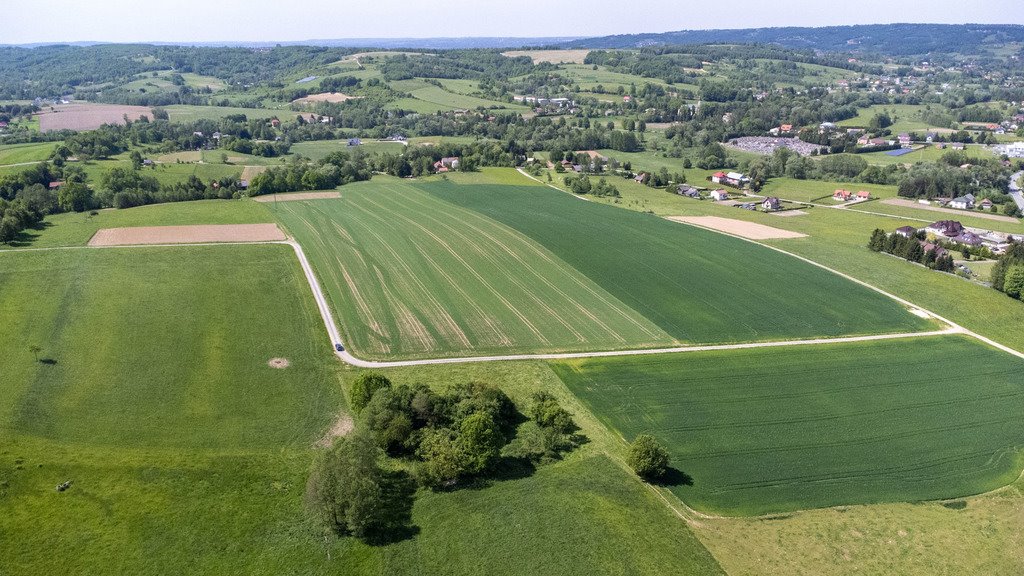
x=325, y=97
x=190, y=234
x=80, y=116
x=412, y=276
x=762, y=431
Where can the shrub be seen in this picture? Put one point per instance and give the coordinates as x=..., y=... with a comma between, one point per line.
x=647, y=458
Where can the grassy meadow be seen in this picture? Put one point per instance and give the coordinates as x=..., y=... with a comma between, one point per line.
x=765, y=431
x=23, y=153
x=76, y=228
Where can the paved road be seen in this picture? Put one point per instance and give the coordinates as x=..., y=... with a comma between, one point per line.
x=1015, y=191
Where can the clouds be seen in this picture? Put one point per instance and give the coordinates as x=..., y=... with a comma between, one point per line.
x=268, y=20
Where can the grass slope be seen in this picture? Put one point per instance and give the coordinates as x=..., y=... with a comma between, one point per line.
x=765, y=430
x=76, y=228
x=697, y=285
x=22, y=153
x=187, y=451
x=413, y=276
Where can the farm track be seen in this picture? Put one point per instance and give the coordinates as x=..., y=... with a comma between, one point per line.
x=346, y=356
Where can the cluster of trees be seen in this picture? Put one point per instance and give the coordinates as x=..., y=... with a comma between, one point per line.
x=446, y=439
x=910, y=249
x=465, y=64
x=336, y=169
x=581, y=185
x=1008, y=273
x=946, y=179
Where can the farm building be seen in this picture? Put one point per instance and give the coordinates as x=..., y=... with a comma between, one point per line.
x=842, y=195
x=863, y=195
x=771, y=203
x=719, y=195
x=718, y=177
x=985, y=204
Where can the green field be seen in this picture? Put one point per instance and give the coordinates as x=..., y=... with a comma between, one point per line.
x=927, y=153
x=315, y=150
x=186, y=113
x=76, y=228
x=188, y=454
x=821, y=191
x=413, y=276
x=155, y=399
x=764, y=430
x=699, y=286
x=905, y=117
x=22, y=153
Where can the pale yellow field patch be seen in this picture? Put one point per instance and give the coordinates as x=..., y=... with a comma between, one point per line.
x=742, y=228
x=197, y=234
x=552, y=56
x=325, y=97
x=293, y=196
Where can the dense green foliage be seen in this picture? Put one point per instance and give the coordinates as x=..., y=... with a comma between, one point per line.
x=647, y=458
x=767, y=430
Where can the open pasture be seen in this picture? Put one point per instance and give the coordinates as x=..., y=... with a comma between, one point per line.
x=928, y=153
x=152, y=395
x=775, y=430
x=76, y=228
x=23, y=153
x=413, y=276
x=81, y=116
x=697, y=285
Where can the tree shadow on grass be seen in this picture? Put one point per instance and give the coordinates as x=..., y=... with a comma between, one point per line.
x=674, y=477
x=47, y=361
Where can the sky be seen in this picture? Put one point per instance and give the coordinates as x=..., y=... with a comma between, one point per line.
x=294, y=20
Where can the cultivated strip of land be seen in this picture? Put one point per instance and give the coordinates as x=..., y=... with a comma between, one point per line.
x=194, y=234
x=294, y=196
x=750, y=230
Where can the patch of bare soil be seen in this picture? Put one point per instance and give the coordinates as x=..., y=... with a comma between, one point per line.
x=187, y=234
x=341, y=427
x=279, y=363
x=788, y=213
x=751, y=230
x=298, y=196
x=88, y=116
x=325, y=97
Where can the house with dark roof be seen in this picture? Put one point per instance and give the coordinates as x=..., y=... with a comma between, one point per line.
x=947, y=228
x=688, y=191
x=906, y=231
x=771, y=203
x=965, y=202
x=967, y=238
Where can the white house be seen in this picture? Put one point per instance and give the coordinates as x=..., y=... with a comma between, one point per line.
x=719, y=195
x=965, y=202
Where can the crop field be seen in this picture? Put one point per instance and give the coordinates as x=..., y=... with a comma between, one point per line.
x=761, y=431
x=87, y=116
x=186, y=113
x=552, y=56
x=687, y=280
x=413, y=276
